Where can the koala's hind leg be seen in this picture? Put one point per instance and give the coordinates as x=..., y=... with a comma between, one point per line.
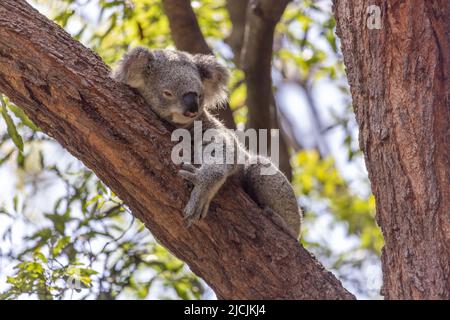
x=273, y=193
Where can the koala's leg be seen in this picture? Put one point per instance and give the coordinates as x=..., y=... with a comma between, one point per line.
x=273, y=193
x=207, y=181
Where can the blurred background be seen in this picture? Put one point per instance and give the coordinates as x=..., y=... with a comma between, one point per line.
x=65, y=235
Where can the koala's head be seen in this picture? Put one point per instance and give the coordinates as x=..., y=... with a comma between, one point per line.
x=177, y=85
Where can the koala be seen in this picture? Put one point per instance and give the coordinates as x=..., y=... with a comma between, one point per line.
x=182, y=88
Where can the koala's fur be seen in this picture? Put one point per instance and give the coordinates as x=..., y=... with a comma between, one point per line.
x=182, y=88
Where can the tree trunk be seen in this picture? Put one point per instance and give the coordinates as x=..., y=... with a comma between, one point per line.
x=261, y=19
x=399, y=79
x=66, y=90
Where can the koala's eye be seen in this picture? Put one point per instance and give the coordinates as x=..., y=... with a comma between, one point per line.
x=167, y=94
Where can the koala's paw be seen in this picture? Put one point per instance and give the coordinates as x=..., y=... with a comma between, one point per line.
x=198, y=205
x=189, y=173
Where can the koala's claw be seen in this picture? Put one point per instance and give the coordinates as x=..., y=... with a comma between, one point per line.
x=188, y=172
x=192, y=216
x=188, y=167
x=188, y=176
x=195, y=210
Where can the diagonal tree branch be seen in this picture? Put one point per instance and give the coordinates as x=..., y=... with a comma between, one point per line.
x=66, y=90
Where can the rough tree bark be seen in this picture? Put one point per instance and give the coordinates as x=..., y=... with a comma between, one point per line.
x=399, y=79
x=66, y=90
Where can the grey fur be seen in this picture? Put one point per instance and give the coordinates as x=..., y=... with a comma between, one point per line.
x=163, y=78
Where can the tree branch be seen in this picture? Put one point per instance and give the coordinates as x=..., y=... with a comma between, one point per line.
x=262, y=17
x=256, y=61
x=184, y=27
x=66, y=90
x=237, y=9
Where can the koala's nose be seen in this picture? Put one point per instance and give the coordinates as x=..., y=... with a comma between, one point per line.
x=190, y=100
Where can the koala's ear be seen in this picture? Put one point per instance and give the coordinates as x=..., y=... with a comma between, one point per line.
x=133, y=68
x=214, y=77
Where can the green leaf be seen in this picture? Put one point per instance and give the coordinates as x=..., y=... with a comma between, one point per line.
x=11, y=127
x=40, y=256
x=60, y=245
x=18, y=112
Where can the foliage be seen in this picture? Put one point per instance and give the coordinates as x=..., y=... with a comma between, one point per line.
x=66, y=235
